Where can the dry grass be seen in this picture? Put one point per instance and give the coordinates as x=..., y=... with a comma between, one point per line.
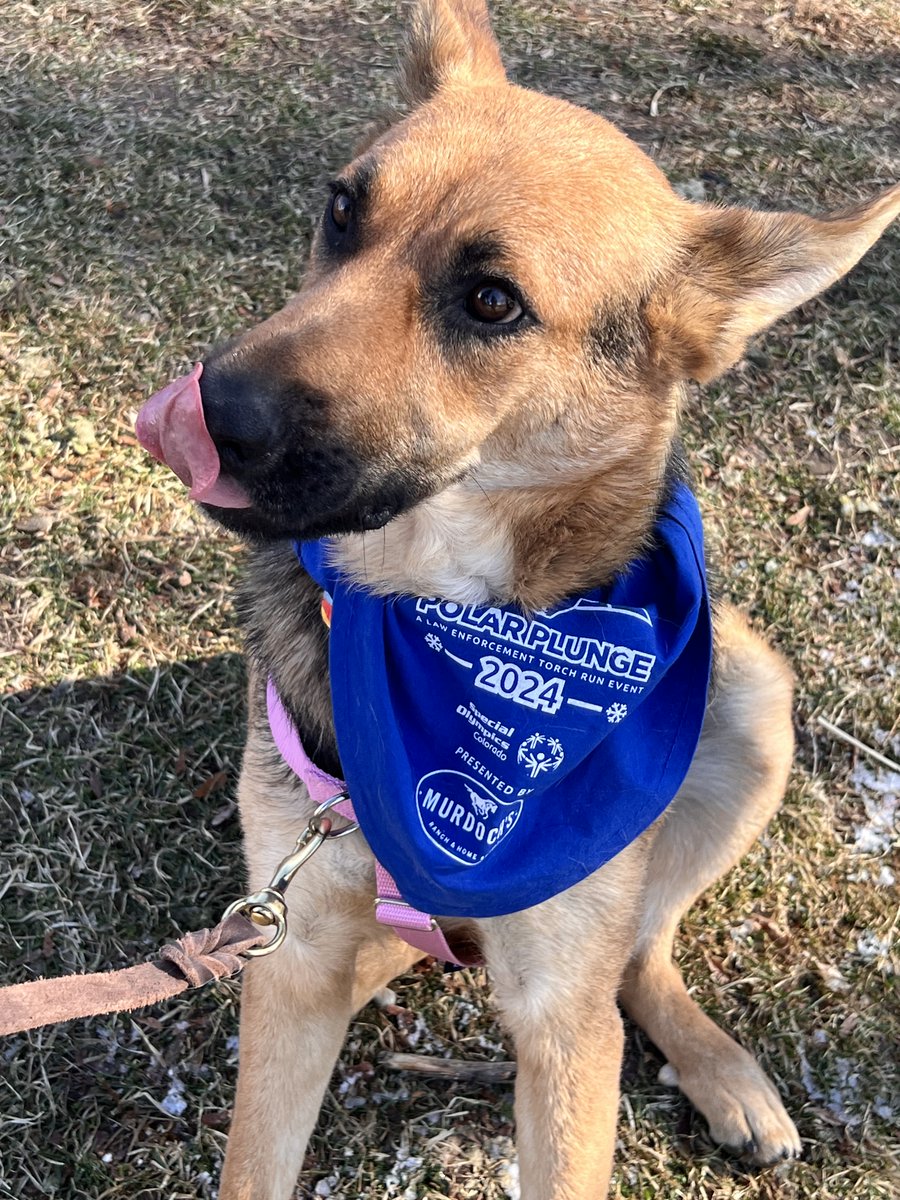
x=161, y=165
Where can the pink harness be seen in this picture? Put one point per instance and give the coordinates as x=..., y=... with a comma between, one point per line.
x=415, y=927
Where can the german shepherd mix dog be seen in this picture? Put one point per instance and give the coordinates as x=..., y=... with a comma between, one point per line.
x=474, y=401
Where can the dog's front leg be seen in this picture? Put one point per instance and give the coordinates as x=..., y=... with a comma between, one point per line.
x=291, y=1035
x=295, y=1008
x=556, y=970
x=567, y=1095
x=296, y=1004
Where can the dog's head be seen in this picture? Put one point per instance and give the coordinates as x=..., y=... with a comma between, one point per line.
x=503, y=299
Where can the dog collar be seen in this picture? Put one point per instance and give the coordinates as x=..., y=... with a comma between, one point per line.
x=496, y=759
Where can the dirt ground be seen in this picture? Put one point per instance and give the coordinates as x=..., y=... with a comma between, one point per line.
x=162, y=164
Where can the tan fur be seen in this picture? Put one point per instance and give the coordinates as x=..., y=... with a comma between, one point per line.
x=548, y=453
x=733, y=788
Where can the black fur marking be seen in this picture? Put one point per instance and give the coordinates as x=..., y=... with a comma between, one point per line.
x=619, y=335
x=339, y=243
x=319, y=744
x=677, y=469
x=472, y=260
x=316, y=485
x=285, y=637
x=485, y=260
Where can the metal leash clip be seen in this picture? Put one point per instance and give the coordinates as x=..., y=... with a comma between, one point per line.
x=268, y=906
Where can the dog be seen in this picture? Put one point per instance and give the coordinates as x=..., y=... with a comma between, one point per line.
x=474, y=400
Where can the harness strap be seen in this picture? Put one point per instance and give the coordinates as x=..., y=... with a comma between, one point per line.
x=417, y=928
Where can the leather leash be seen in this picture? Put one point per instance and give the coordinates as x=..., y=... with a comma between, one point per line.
x=252, y=926
x=193, y=960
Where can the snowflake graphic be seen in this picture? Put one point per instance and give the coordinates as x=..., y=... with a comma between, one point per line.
x=434, y=641
x=616, y=713
x=540, y=753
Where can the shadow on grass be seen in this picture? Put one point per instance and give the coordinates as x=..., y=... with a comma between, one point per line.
x=117, y=817
x=119, y=831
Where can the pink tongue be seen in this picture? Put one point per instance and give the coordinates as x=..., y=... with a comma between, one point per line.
x=171, y=426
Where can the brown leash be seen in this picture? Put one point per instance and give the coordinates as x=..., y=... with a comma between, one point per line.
x=193, y=960
x=253, y=926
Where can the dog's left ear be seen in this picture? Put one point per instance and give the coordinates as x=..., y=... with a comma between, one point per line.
x=450, y=42
x=745, y=269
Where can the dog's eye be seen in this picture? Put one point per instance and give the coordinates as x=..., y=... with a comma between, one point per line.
x=341, y=210
x=491, y=302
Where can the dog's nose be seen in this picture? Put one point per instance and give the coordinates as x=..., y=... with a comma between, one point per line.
x=243, y=419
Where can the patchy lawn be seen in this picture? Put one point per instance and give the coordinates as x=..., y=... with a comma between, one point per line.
x=161, y=167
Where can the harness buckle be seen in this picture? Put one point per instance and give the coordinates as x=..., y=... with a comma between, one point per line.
x=398, y=903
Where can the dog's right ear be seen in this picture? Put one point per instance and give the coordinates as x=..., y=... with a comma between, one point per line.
x=450, y=42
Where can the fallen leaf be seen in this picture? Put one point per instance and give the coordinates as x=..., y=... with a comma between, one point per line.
x=775, y=932
x=800, y=517
x=221, y=815
x=35, y=523
x=718, y=967
x=52, y=394
x=215, y=1120
x=210, y=785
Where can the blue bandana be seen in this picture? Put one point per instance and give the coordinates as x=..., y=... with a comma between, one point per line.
x=496, y=759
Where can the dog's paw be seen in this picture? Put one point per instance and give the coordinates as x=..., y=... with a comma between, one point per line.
x=742, y=1107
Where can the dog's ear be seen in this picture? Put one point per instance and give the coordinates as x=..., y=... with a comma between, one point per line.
x=745, y=269
x=450, y=41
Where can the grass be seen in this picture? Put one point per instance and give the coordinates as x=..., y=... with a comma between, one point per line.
x=161, y=167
